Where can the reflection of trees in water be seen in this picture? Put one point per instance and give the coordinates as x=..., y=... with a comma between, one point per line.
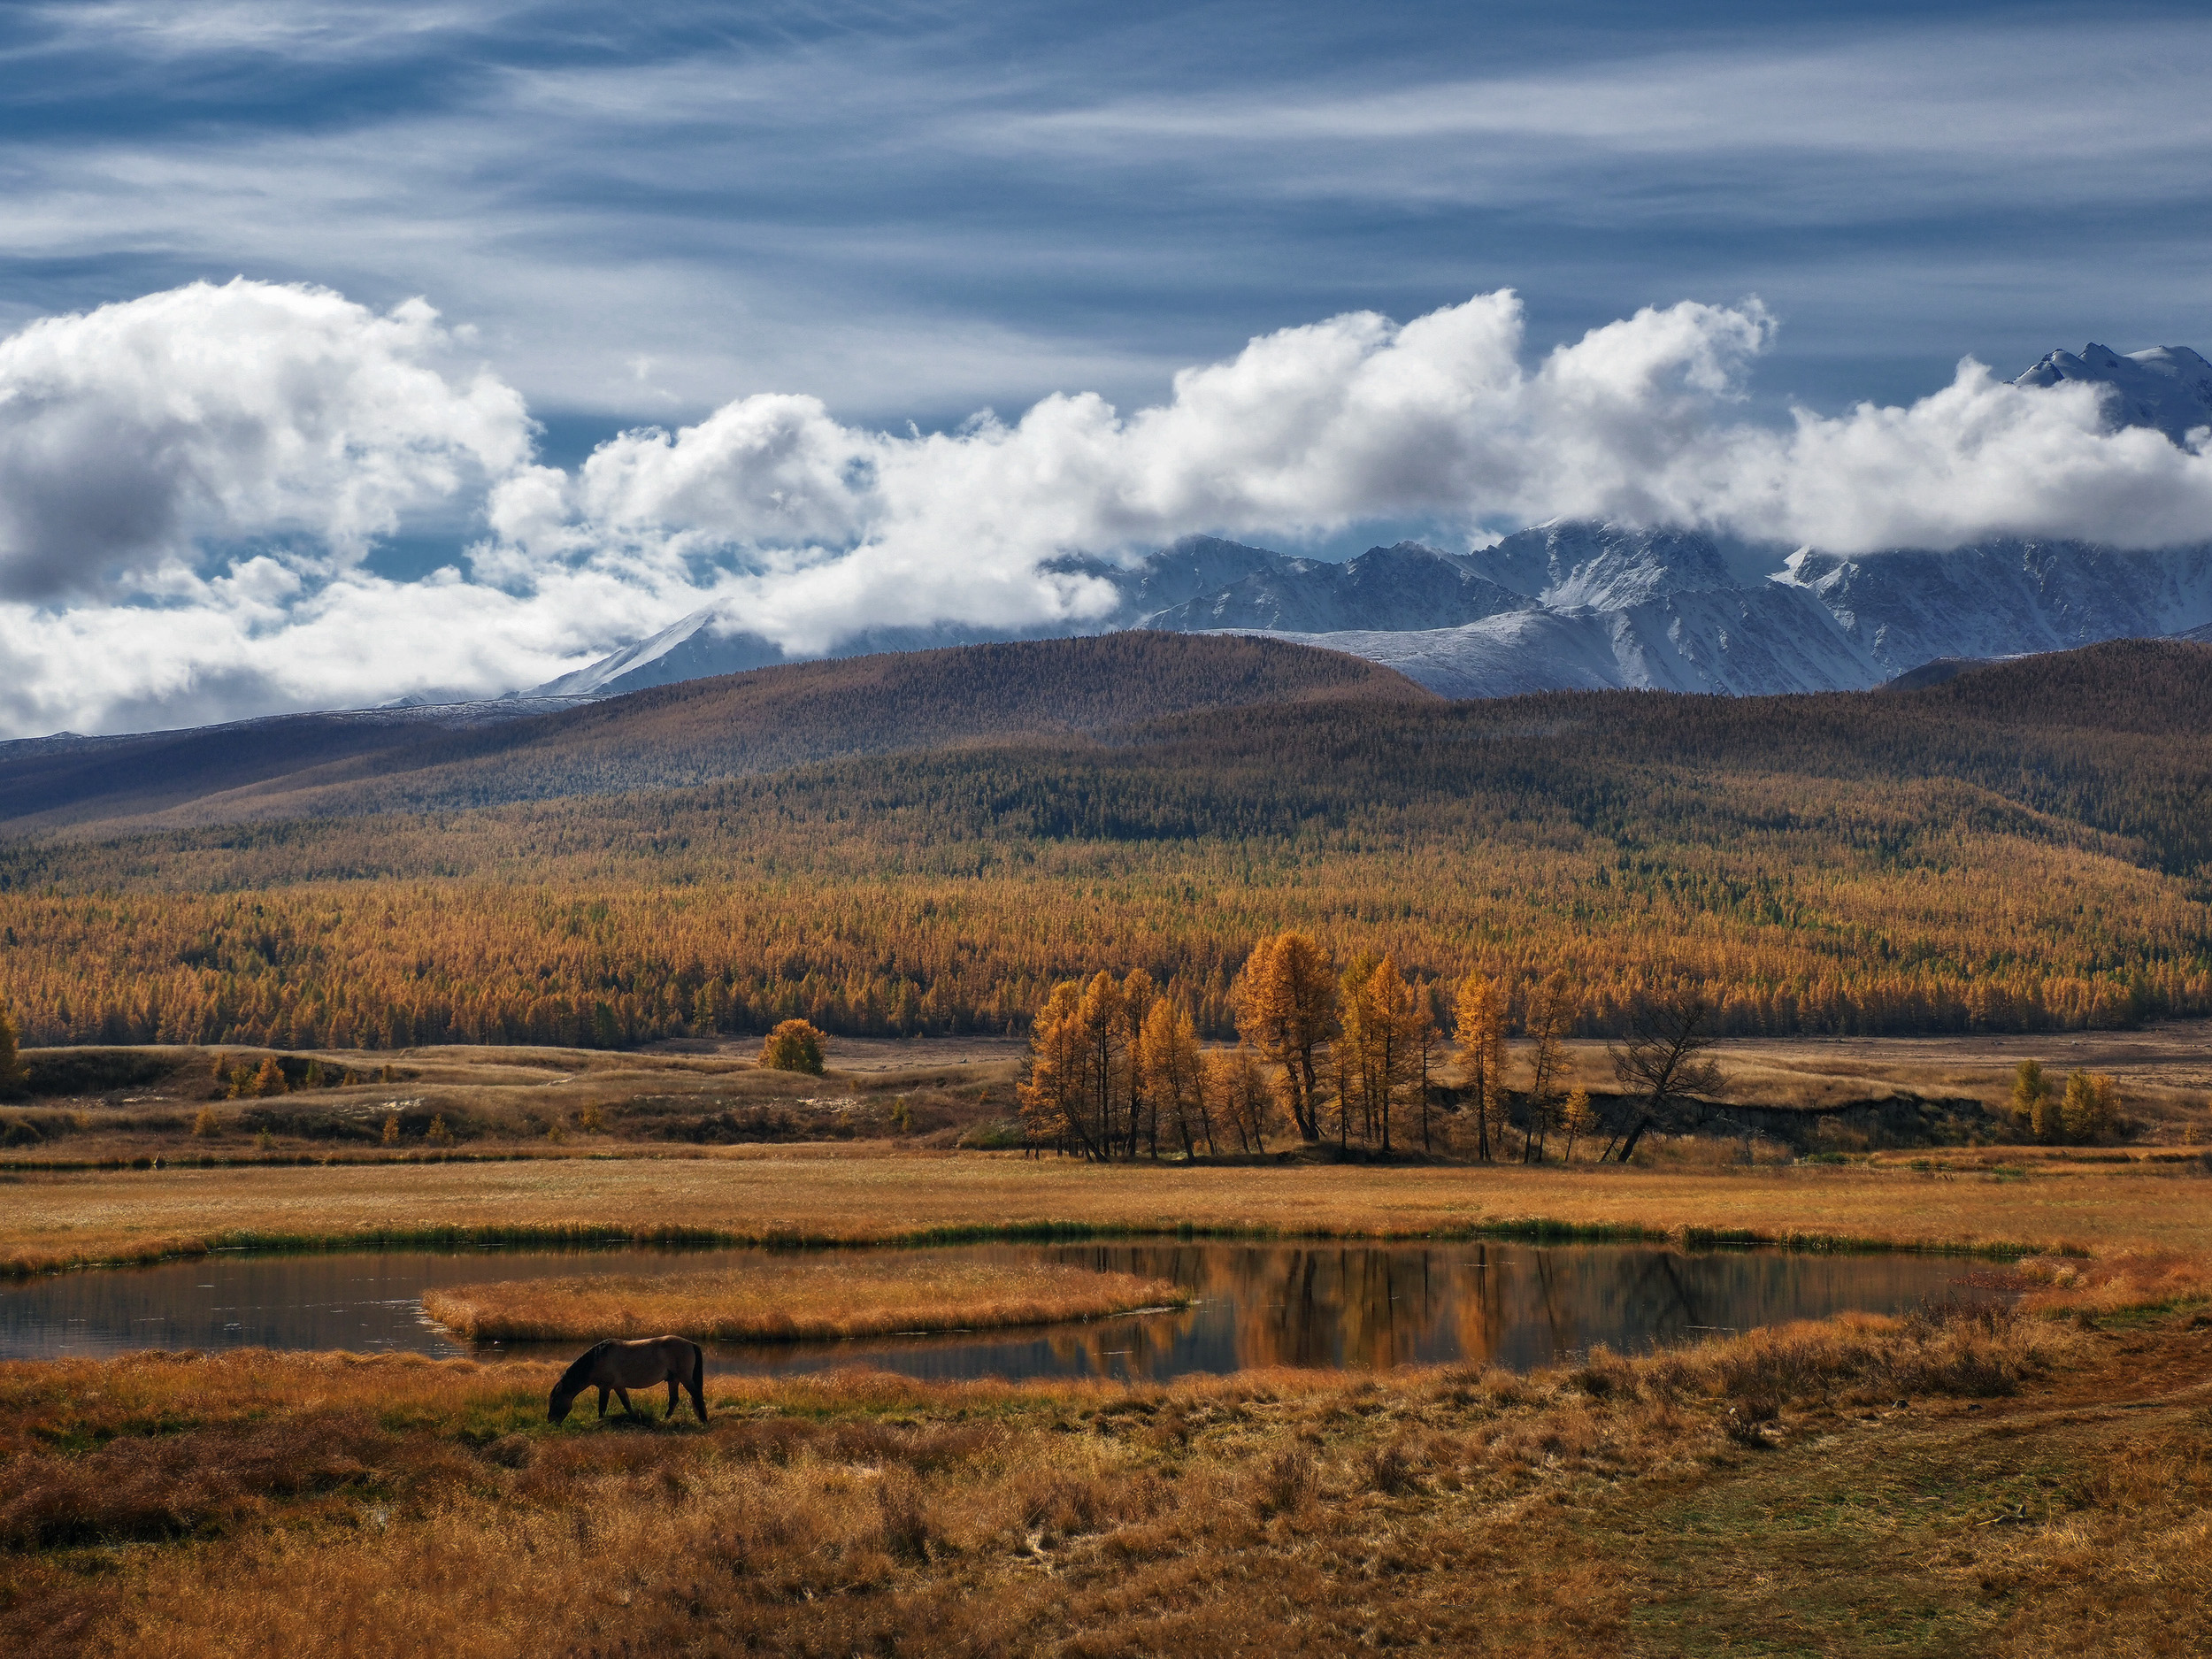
x=1482, y=1302
x=1260, y=1304
x=1123, y=1347
x=1295, y=1305
x=1480, y=1316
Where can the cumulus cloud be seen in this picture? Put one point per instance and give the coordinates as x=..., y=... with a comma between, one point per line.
x=829, y=529
x=131, y=436
x=188, y=482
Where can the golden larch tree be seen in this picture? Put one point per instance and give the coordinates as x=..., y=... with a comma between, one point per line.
x=1052, y=1092
x=1478, y=1035
x=1551, y=1015
x=1108, y=1047
x=1287, y=1009
x=1237, y=1087
x=1175, y=1077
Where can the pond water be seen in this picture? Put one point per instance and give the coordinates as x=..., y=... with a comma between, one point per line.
x=1303, y=1304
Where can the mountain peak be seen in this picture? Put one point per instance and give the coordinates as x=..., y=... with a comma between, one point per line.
x=2167, y=387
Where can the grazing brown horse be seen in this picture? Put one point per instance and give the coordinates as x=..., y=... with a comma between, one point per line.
x=622, y=1366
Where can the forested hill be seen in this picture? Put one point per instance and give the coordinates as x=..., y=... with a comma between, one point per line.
x=687, y=733
x=2027, y=846
x=2143, y=685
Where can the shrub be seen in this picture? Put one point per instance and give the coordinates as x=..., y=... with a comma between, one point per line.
x=204, y=1125
x=1393, y=1469
x=794, y=1046
x=907, y=1528
x=1290, y=1481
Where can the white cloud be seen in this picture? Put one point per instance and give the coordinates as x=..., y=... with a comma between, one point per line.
x=131, y=436
x=140, y=443
x=832, y=529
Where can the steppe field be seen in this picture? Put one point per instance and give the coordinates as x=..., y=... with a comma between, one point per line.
x=2023, y=1478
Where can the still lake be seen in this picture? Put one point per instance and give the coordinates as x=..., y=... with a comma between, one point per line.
x=1298, y=1303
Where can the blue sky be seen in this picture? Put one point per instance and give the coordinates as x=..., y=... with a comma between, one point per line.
x=1726, y=228
x=913, y=211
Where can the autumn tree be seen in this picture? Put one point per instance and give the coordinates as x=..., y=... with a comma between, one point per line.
x=270, y=1079
x=2031, y=1090
x=2091, y=1106
x=1138, y=995
x=1383, y=1053
x=1286, y=1007
x=1580, y=1118
x=793, y=1046
x=11, y=1067
x=1102, y=1018
x=1174, y=1075
x=1479, y=1034
x=1237, y=1085
x=1663, y=1062
x=1551, y=1015
x=1362, y=1043
x=1052, y=1092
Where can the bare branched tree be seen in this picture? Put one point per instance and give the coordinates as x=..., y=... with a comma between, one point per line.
x=1662, y=1063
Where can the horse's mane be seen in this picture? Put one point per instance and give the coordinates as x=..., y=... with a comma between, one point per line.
x=574, y=1379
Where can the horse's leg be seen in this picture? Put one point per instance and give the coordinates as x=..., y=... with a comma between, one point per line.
x=622, y=1394
x=672, y=1394
x=602, y=1400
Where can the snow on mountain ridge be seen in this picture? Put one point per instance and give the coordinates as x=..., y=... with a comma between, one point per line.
x=1583, y=603
x=2005, y=597
x=2167, y=387
x=1736, y=641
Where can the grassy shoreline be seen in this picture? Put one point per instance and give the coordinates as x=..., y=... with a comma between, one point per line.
x=818, y=1300
x=1984, y=1482
x=54, y=1223
x=1532, y=1230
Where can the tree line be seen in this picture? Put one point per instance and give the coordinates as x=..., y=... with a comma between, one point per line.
x=1117, y=1069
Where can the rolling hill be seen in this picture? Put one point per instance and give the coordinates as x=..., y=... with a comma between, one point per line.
x=481, y=754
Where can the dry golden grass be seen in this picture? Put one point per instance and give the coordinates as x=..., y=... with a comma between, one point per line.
x=1984, y=1483
x=59, y=1220
x=796, y=1301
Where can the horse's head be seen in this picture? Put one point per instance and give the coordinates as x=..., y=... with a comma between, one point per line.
x=575, y=1379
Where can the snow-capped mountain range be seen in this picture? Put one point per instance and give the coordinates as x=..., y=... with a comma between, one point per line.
x=1583, y=604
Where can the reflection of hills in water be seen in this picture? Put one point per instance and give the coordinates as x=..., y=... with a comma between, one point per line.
x=1328, y=1305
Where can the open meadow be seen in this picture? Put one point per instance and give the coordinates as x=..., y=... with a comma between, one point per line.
x=1863, y=1094
x=2027, y=1482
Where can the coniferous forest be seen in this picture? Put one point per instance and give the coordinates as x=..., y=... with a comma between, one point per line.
x=2027, y=846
